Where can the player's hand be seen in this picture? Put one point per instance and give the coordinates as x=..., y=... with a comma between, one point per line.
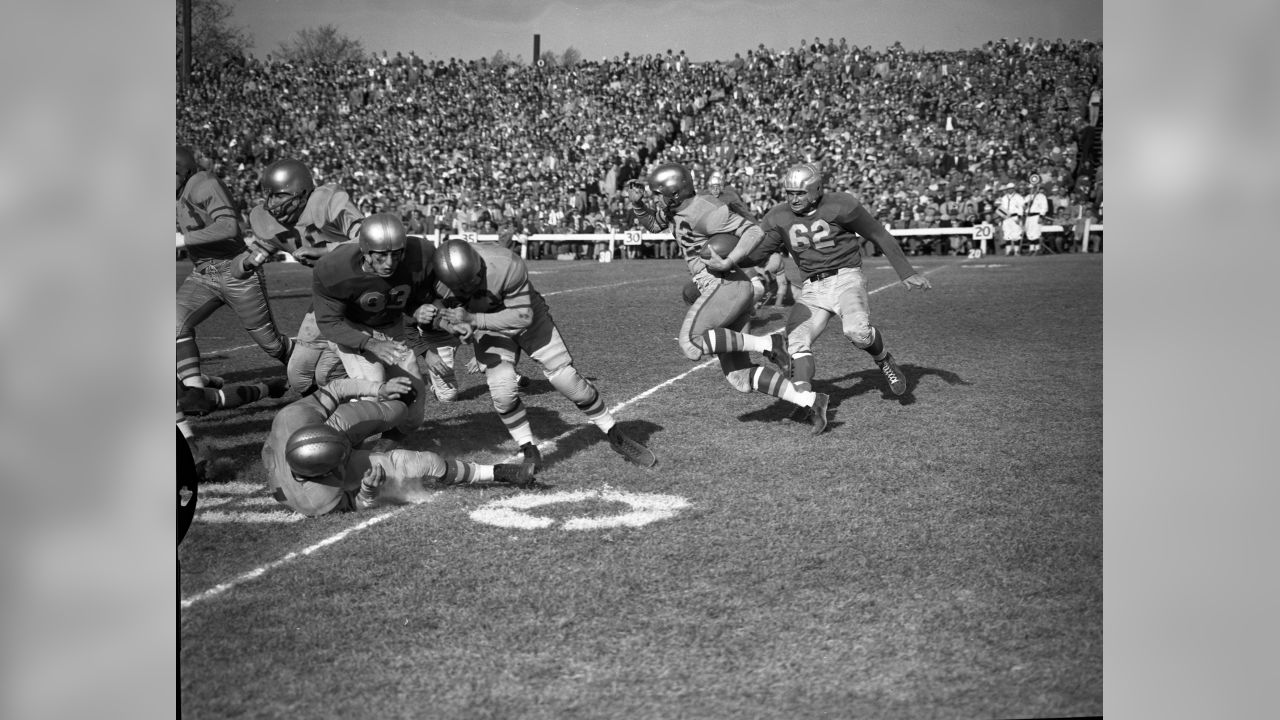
x=715, y=263
x=474, y=367
x=394, y=388
x=373, y=479
x=388, y=351
x=463, y=330
x=308, y=255
x=457, y=316
x=425, y=314
x=917, y=281
x=435, y=363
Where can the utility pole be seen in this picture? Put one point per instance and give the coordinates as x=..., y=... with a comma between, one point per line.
x=185, y=76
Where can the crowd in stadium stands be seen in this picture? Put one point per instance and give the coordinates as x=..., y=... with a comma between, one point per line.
x=924, y=138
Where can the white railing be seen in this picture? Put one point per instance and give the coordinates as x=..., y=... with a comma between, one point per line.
x=629, y=238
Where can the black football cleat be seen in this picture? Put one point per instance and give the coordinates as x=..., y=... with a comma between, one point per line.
x=818, y=413
x=517, y=474
x=892, y=373
x=277, y=387
x=532, y=455
x=630, y=449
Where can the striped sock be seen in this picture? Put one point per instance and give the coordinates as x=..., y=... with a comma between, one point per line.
x=770, y=381
x=596, y=411
x=719, y=341
x=517, y=422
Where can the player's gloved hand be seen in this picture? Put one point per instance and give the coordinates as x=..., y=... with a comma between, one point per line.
x=435, y=363
x=917, y=281
x=394, y=388
x=635, y=193
x=425, y=314
x=388, y=351
x=457, y=316
x=308, y=255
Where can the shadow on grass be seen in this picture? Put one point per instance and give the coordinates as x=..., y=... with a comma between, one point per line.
x=872, y=380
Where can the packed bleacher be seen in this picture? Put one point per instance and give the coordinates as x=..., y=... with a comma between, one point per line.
x=927, y=139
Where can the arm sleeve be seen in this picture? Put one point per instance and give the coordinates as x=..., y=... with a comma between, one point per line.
x=332, y=320
x=648, y=218
x=771, y=242
x=212, y=196
x=517, y=300
x=344, y=214
x=868, y=227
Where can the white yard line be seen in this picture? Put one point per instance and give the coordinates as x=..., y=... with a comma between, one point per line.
x=262, y=570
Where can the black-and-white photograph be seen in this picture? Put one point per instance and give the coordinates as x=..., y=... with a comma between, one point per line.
x=639, y=359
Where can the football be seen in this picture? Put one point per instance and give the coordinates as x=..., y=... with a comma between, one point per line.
x=722, y=243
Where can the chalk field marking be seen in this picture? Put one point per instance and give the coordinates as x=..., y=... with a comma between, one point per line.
x=259, y=571
x=512, y=512
x=262, y=570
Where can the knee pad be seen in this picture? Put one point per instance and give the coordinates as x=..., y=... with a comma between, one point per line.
x=572, y=385
x=740, y=380
x=858, y=329
x=503, y=388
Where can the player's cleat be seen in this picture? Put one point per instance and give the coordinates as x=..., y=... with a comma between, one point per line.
x=892, y=373
x=518, y=474
x=778, y=355
x=630, y=449
x=801, y=413
x=818, y=413
x=277, y=387
x=522, y=382
x=531, y=455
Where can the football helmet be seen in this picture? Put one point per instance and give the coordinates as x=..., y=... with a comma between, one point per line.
x=187, y=166
x=315, y=451
x=459, y=267
x=287, y=184
x=803, y=187
x=382, y=232
x=715, y=183
x=673, y=185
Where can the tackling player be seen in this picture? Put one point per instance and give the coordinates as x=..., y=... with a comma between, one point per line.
x=486, y=296
x=820, y=231
x=361, y=293
x=211, y=233
x=307, y=222
x=313, y=467
x=713, y=324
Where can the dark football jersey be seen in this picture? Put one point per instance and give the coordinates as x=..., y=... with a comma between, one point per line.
x=820, y=241
x=347, y=297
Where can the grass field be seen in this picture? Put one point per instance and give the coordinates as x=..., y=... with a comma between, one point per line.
x=935, y=555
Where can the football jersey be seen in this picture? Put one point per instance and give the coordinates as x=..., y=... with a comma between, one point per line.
x=346, y=297
x=328, y=217
x=205, y=200
x=700, y=218
x=506, y=287
x=827, y=237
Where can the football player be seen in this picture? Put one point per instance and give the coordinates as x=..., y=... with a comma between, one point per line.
x=314, y=467
x=714, y=322
x=211, y=233
x=307, y=222
x=764, y=282
x=486, y=297
x=820, y=230
x=361, y=293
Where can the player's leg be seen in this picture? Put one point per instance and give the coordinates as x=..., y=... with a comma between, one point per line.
x=197, y=299
x=542, y=342
x=497, y=354
x=410, y=471
x=744, y=376
x=308, y=349
x=248, y=298
x=713, y=324
x=855, y=318
x=805, y=323
x=362, y=420
x=443, y=385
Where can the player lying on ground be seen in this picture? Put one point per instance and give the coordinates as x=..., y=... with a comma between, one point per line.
x=314, y=468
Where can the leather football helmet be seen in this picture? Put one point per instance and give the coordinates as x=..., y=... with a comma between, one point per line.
x=673, y=184
x=805, y=181
x=314, y=451
x=382, y=232
x=187, y=166
x=459, y=267
x=287, y=184
x=715, y=183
